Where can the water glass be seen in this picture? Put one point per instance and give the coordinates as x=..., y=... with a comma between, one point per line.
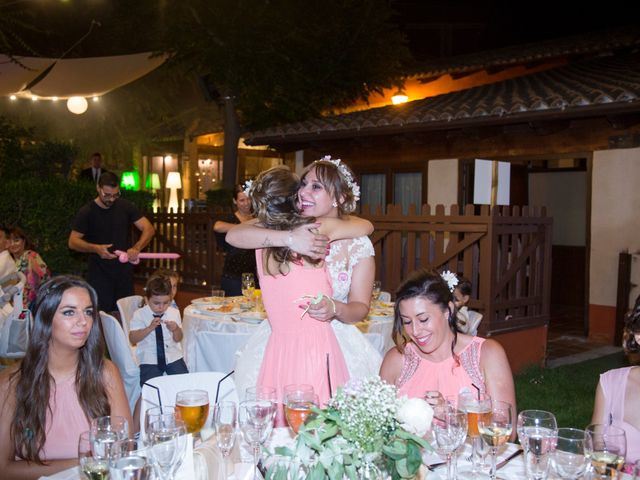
x=568, y=459
x=92, y=467
x=537, y=430
x=130, y=467
x=256, y=422
x=154, y=414
x=605, y=446
x=105, y=431
x=225, y=420
x=448, y=432
x=219, y=293
x=166, y=441
x=193, y=408
x=495, y=429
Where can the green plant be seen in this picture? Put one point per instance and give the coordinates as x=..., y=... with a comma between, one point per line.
x=364, y=429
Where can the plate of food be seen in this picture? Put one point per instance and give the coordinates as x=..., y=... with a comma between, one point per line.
x=208, y=301
x=226, y=309
x=251, y=317
x=380, y=314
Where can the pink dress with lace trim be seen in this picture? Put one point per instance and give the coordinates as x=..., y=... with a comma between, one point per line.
x=449, y=377
x=65, y=423
x=299, y=349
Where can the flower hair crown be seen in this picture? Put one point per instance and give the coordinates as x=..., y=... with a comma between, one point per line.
x=346, y=174
x=451, y=279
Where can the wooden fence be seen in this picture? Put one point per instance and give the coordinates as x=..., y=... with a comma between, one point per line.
x=505, y=252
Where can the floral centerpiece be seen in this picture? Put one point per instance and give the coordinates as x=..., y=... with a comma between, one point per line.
x=365, y=432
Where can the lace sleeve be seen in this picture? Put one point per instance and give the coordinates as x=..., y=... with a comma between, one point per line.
x=342, y=259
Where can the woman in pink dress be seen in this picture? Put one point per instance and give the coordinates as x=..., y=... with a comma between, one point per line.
x=63, y=382
x=431, y=353
x=618, y=391
x=301, y=349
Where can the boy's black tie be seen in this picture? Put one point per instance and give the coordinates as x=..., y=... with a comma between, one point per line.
x=162, y=361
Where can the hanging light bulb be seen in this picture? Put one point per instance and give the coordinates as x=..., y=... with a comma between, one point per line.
x=77, y=105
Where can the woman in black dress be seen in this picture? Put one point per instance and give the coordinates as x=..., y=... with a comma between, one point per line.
x=236, y=260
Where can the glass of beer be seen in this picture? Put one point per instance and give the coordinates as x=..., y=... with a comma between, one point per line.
x=193, y=409
x=297, y=407
x=477, y=406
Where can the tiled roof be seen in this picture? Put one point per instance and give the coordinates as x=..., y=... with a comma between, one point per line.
x=575, y=45
x=590, y=87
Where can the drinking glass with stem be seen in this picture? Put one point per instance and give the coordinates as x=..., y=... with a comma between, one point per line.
x=495, y=429
x=166, y=439
x=297, y=407
x=127, y=462
x=568, y=459
x=537, y=431
x=605, y=446
x=225, y=421
x=248, y=285
x=448, y=432
x=105, y=431
x=256, y=422
x=476, y=405
x=92, y=466
x=192, y=407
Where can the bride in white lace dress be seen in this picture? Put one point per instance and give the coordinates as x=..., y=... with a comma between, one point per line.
x=327, y=189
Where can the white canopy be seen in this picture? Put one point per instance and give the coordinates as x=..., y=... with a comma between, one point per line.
x=84, y=77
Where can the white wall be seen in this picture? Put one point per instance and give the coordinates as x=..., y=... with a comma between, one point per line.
x=442, y=183
x=565, y=196
x=615, y=218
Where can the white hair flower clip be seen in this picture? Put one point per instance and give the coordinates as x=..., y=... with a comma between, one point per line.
x=451, y=279
x=246, y=188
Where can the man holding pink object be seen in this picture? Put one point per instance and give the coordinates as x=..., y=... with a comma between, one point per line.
x=100, y=228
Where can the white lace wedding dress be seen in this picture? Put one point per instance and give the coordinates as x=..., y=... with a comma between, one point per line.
x=362, y=358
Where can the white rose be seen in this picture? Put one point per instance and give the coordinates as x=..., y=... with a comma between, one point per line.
x=415, y=416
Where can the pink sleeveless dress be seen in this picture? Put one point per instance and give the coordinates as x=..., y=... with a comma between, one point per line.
x=65, y=423
x=449, y=377
x=298, y=348
x=614, y=385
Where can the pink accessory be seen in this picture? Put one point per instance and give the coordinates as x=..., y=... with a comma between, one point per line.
x=124, y=258
x=343, y=277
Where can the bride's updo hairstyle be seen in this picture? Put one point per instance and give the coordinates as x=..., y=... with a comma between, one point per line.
x=338, y=180
x=273, y=195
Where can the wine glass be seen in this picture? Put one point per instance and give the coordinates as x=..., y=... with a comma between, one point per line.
x=495, y=429
x=605, y=446
x=225, y=418
x=93, y=467
x=105, y=431
x=568, y=459
x=377, y=286
x=153, y=414
x=130, y=467
x=537, y=431
x=248, y=285
x=297, y=407
x=448, y=431
x=256, y=421
x=476, y=405
x=166, y=441
x=264, y=392
x=192, y=406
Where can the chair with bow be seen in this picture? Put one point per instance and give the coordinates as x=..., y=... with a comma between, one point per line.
x=121, y=354
x=127, y=307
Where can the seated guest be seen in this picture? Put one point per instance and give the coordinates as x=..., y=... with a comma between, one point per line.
x=431, y=353
x=29, y=262
x=468, y=320
x=61, y=384
x=618, y=391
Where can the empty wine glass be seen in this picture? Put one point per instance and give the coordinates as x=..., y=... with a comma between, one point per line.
x=192, y=406
x=537, y=431
x=166, y=441
x=225, y=419
x=495, y=429
x=448, y=432
x=605, y=446
x=105, y=431
x=568, y=459
x=256, y=421
x=93, y=467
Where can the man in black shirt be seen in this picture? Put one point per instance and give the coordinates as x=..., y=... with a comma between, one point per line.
x=101, y=227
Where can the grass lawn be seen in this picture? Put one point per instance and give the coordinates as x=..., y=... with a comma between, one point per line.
x=566, y=391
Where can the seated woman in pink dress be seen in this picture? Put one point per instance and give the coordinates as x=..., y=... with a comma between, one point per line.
x=618, y=391
x=29, y=262
x=61, y=384
x=301, y=349
x=431, y=353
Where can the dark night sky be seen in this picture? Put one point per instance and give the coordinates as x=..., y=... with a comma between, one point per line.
x=450, y=27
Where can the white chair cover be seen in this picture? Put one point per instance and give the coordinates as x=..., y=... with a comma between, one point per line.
x=168, y=385
x=384, y=296
x=377, y=340
x=121, y=354
x=15, y=323
x=127, y=306
x=215, y=351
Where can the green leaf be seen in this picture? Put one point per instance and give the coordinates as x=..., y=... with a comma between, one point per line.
x=397, y=449
x=350, y=471
x=336, y=471
x=316, y=472
x=414, y=459
x=401, y=468
x=329, y=432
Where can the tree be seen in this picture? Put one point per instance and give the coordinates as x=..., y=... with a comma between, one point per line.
x=272, y=61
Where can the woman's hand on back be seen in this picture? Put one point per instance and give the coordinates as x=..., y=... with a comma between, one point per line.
x=305, y=240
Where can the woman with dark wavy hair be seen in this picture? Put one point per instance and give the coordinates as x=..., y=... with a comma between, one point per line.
x=61, y=384
x=618, y=390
